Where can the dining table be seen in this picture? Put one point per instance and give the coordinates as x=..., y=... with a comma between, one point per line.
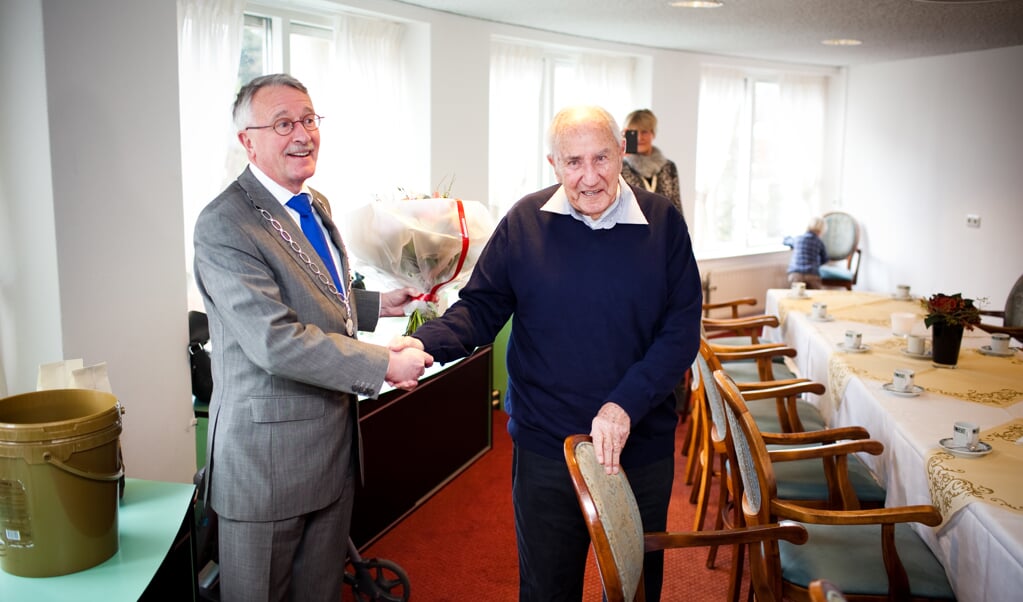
x=978, y=492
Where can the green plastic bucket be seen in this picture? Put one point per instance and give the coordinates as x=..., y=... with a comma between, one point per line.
x=59, y=476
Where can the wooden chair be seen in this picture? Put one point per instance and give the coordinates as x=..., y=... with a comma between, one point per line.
x=810, y=481
x=860, y=551
x=842, y=240
x=1012, y=315
x=735, y=328
x=616, y=531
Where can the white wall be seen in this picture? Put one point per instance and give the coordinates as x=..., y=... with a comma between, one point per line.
x=91, y=220
x=30, y=332
x=927, y=142
x=92, y=207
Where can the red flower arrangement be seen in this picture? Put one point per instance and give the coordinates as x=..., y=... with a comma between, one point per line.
x=951, y=310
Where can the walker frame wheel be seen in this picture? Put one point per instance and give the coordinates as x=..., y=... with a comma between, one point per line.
x=376, y=579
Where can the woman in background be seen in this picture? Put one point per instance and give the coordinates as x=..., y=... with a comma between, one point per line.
x=647, y=168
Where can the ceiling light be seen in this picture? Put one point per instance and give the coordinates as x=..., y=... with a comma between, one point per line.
x=841, y=42
x=698, y=4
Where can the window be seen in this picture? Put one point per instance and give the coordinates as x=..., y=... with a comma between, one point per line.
x=355, y=67
x=528, y=85
x=759, y=158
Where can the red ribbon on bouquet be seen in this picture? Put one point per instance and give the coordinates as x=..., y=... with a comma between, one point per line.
x=432, y=295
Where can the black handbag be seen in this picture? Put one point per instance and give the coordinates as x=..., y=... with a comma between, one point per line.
x=199, y=358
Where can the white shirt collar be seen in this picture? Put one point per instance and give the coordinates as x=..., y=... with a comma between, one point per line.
x=624, y=210
x=282, y=194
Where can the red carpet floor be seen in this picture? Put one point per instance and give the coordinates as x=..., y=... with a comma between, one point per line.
x=460, y=544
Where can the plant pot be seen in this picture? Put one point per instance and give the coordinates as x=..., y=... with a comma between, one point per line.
x=945, y=344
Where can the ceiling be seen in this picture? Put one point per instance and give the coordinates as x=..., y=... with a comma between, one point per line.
x=777, y=30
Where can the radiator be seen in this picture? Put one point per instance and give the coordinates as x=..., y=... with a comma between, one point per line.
x=753, y=281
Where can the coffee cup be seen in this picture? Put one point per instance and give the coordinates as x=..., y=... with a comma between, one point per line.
x=902, y=291
x=853, y=339
x=916, y=345
x=1000, y=342
x=902, y=323
x=965, y=434
x=798, y=289
x=820, y=311
x=902, y=379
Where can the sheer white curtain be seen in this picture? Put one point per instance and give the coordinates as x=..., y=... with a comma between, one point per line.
x=209, y=48
x=720, y=124
x=516, y=133
x=802, y=99
x=366, y=149
x=606, y=81
x=528, y=84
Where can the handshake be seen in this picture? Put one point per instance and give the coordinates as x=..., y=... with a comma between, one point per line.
x=407, y=363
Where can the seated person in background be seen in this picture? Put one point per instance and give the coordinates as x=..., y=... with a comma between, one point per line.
x=808, y=254
x=647, y=167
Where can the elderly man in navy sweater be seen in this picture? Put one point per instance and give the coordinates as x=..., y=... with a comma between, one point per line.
x=604, y=295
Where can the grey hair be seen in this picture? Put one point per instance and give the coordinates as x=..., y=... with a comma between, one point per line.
x=570, y=117
x=242, y=111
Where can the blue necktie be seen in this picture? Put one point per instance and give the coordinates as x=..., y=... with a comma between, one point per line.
x=311, y=229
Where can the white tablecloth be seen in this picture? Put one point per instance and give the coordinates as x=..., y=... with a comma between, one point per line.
x=981, y=545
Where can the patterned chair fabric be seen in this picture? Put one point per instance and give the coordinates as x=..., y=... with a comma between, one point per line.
x=1014, y=305
x=849, y=554
x=619, y=513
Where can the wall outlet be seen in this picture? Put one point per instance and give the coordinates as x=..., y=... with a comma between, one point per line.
x=972, y=220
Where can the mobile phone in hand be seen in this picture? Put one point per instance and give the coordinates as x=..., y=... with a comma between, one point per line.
x=631, y=142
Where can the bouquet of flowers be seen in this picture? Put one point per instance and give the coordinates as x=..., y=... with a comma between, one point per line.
x=951, y=310
x=427, y=243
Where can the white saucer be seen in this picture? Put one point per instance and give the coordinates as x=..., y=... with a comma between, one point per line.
x=920, y=356
x=803, y=296
x=860, y=349
x=983, y=449
x=986, y=350
x=902, y=298
x=828, y=318
x=916, y=390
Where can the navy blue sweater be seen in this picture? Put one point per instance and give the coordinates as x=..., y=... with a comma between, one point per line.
x=598, y=315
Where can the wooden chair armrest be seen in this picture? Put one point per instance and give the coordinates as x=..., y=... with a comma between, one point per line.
x=829, y=450
x=731, y=353
x=997, y=313
x=764, y=384
x=924, y=514
x=786, y=530
x=807, y=386
x=732, y=304
x=841, y=433
x=1015, y=332
x=740, y=323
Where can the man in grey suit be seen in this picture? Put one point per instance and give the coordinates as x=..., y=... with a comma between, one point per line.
x=284, y=438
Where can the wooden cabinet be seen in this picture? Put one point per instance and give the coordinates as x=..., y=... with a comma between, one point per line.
x=415, y=442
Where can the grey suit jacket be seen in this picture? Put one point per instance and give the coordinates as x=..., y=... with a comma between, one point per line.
x=283, y=416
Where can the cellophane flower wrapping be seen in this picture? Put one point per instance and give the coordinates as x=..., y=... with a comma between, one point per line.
x=420, y=243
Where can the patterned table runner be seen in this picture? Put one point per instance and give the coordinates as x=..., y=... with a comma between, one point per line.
x=849, y=305
x=996, y=478
x=992, y=381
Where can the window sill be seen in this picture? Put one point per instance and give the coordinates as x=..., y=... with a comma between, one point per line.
x=732, y=253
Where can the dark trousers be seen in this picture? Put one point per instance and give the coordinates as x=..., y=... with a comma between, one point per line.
x=550, y=532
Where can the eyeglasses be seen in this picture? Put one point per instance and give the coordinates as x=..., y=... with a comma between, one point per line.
x=284, y=126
